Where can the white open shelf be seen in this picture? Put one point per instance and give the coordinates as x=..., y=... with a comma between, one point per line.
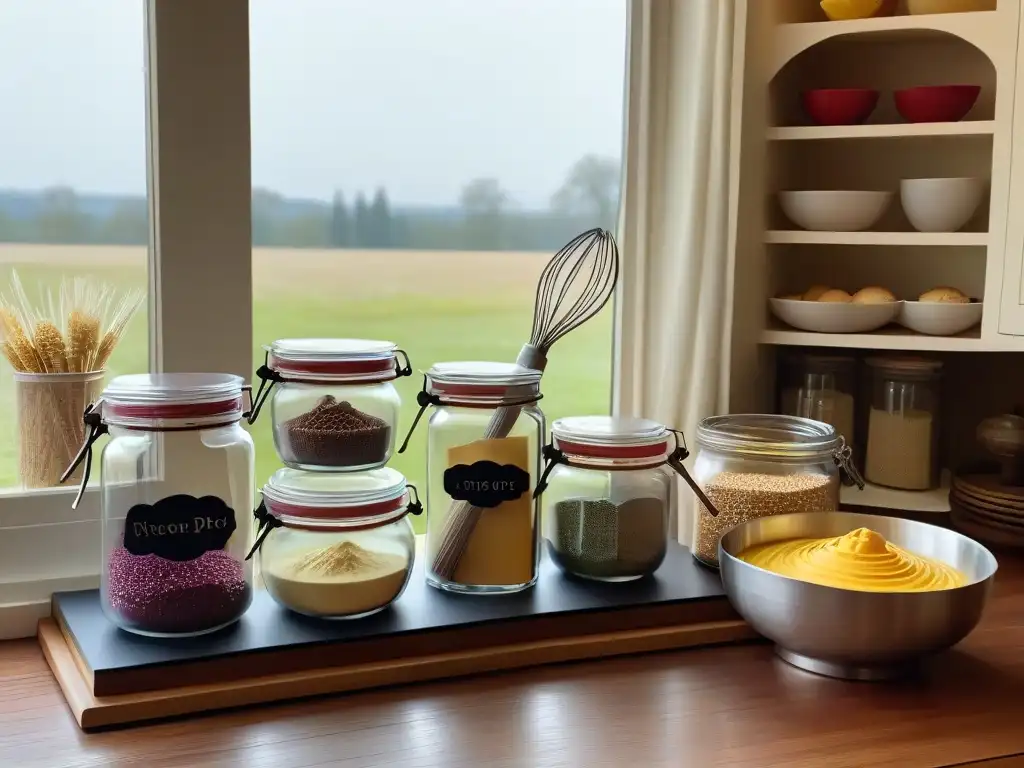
x=802, y=237
x=881, y=131
x=791, y=49
x=936, y=500
x=978, y=28
x=895, y=339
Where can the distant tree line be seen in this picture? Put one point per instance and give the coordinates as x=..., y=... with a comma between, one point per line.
x=486, y=217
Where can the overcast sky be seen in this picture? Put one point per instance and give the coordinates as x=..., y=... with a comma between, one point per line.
x=417, y=95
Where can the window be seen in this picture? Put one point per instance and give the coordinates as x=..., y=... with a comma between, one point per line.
x=72, y=168
x=412, y=167
x=416, y=164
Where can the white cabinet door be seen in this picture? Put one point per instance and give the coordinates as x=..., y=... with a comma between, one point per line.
x=1011, y=298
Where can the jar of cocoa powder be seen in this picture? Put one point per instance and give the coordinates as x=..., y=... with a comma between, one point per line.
x=333, y=405
x=336, y=546
x=177, y=487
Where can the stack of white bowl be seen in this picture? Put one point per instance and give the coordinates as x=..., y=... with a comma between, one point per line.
x=931, y=205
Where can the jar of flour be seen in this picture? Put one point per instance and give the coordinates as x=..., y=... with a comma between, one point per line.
x=903, y=423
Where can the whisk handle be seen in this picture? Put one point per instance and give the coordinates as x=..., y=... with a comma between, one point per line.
x=532, y=357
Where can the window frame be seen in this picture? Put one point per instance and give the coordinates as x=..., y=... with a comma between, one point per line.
x=199, y=271
x=200, y=306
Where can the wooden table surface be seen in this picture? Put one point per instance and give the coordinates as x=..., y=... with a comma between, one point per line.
x=735, y=706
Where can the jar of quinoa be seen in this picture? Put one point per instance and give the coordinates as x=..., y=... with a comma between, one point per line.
x=333, y=405
x=755, y=465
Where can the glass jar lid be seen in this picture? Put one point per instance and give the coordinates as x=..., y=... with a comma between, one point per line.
x=326, y=499
x=768, y=436
x=611, y=437
x=481, y=382
x=910, y=367
x=333, y=360
x=141, y=398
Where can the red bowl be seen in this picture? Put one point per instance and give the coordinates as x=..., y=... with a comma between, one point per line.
x=839, y=106
x=936, y=103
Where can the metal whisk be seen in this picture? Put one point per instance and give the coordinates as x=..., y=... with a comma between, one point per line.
x=574, y=286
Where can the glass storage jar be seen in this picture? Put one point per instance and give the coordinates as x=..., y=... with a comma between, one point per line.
x=606, y=496
x=755, y=465
x=903, y=423
x=336, y=546
x=483, y=460
x=334, y=407
x=821, y=387
x=177, y=487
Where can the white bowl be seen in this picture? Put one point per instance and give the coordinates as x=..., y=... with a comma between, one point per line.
x=938, y=319
x=941, y=205
x=830, y=317
x=834, y=210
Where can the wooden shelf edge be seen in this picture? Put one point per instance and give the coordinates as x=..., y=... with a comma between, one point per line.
x=881, y=131
x=927, y=239
x=934, y=501
x=905, y=340
x=96, y=712
x=975, y=27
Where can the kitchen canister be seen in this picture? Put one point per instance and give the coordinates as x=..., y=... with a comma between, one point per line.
x=336, y=546
x=606, y=496
x=334, y=407
x=176, y=488
x=484, y=437
x=755, y=465
x=903, y=423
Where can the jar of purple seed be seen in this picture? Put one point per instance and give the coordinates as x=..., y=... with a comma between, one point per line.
x=333, y=405
x=177, y=493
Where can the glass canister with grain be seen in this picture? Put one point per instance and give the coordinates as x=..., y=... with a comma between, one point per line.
x=755, y=465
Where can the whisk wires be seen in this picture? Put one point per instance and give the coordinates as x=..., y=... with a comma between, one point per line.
x=565, y=298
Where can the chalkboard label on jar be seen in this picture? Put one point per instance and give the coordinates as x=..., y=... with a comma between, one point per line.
x=179, y=528
x=486, y=484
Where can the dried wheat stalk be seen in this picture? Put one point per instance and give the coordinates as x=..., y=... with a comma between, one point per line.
x=72, y=333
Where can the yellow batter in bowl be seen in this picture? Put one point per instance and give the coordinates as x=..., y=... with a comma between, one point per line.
x=861, y=560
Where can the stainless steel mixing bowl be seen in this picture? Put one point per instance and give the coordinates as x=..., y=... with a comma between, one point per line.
x=847, y=633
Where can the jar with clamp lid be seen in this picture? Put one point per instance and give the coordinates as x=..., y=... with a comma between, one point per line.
x=903, y=425
x=483, y=459
x=177, y=486
x=821, y=387
x=606, y=496
x=333, y=405
x=755, y=465
x=336, y=546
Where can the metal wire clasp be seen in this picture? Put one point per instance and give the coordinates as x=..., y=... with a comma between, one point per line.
x=848, y=472
x=93, y=418
x=676, y=459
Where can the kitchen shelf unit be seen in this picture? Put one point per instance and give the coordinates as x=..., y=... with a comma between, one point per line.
x=784, y=47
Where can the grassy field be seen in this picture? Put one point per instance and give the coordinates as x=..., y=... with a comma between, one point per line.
x=436, y=305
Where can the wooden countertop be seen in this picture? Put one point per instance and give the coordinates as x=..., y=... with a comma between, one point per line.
x=732, y=706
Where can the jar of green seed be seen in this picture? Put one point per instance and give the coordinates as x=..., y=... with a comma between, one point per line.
x=755, y=465
x=606, y=496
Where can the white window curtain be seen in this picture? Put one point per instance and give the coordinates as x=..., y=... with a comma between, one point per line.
x=673, y=331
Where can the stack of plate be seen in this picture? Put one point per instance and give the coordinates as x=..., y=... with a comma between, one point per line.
x=985, y=509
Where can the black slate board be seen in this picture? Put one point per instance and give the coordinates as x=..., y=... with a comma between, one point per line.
x=267, y=627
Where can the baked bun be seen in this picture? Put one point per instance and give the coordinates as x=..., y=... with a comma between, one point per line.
x=873, y=294
x=944, y=295
x=815, y=291
x=835, y=296
x=792, y=297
